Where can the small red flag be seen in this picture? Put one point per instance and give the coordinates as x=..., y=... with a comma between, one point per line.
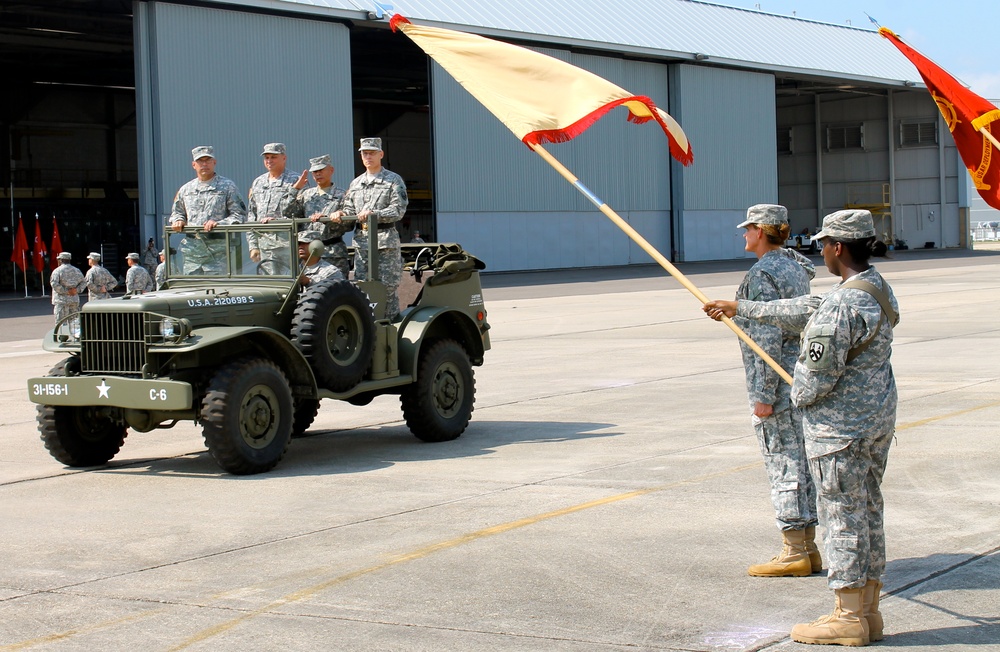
x=966, y=114
x=56, y=247
x=38, y=253
x=20, y=255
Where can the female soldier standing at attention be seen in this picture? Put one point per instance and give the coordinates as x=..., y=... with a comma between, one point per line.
x=779, y=273
x=845, y=388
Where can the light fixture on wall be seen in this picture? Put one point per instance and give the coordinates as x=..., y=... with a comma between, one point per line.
x=698, y=56
x=909, y=83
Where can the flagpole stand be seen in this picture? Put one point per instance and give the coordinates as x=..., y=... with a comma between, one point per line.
x=656, y=255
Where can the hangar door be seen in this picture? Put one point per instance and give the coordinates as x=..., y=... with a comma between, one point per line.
x=508, y=207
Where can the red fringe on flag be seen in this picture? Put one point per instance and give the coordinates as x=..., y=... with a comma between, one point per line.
x=396, y=20
x=584, y=123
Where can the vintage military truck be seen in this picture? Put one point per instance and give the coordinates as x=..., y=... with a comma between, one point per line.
x=243, y=348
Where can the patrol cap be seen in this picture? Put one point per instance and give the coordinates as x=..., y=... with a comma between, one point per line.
x=201, y=151
x=133, y=256
x=309, y=236
x=273, y=148
x=94, y=256
x=850, y=224
x=163, y=252
x=65, y=255
x=765, y=214
x=371, y=145
x=320, y=162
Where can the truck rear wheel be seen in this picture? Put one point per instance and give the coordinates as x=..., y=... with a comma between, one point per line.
x=247, y=416
x=438, y=406
x=334, y=329
x=79, y=436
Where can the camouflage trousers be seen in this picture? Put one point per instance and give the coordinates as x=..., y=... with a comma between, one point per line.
x=390, y=271
x=848, y=474
x=793, y=493
x=63, y=310
x=336, y=254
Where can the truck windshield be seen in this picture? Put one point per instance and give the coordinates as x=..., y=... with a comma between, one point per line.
x=231, y=251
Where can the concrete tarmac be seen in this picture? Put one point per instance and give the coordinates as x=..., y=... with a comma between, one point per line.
x=608, y=495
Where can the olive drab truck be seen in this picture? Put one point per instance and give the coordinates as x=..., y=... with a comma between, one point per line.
x=242, y=348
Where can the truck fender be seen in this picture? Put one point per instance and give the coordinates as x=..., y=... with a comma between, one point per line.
x=427, y=324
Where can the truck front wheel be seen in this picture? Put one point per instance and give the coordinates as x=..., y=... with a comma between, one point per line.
x=439, y=404
x=247, y=416
x=79, y=436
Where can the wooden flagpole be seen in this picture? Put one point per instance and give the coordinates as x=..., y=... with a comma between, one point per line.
x=657, y=256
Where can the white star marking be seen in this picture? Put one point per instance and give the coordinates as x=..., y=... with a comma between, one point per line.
x=103, y=389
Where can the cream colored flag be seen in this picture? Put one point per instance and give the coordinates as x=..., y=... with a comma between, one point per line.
x=539, y=98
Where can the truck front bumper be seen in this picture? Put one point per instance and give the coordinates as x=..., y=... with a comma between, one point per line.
x=112, y=391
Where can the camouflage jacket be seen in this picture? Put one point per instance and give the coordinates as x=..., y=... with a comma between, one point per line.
x=308, y=201
x=779, y=274
x=385, y=194
x=99, y=282
x=217, y=199
x=839, y=399
x=63, y=279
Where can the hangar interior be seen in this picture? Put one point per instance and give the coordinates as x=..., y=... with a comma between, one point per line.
x=79, y=148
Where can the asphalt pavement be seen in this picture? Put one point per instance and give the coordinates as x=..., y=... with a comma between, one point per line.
x=608, y=494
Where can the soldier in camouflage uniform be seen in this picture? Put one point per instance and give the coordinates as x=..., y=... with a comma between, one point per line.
x=100, y=281
x=845, y=387
x=316, y=268
x=270, y=195
x=205, y=201
x=377, y=199
x=67, y=284
x=779, y=273
x=137, y=279
x=318, y=204
x=160, y=275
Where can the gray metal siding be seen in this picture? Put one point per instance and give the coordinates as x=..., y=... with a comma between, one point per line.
x=504, y=203
x=730, y=118
x=669, y=28
x=236, y=81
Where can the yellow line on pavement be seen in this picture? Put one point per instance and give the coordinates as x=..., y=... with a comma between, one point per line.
x=940, y=417
x=445, y=545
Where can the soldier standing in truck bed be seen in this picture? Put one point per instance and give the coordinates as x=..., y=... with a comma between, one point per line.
x=318, y=204
x=205, y=201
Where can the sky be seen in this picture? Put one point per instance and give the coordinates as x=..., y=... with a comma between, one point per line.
x=961, y=36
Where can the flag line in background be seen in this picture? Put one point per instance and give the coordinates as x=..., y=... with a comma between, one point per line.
x=39, y=251
x=542, y=99
x=56, y=247
x=969, y=117
x=20, y=254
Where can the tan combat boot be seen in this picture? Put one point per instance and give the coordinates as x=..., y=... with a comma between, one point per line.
x=872, y=590
x=793, y=560
x=845, y=626
x=814, y=559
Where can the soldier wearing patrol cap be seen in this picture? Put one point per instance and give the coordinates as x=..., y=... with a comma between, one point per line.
x=205, y=201
x=377, y=200
x=318, y=204
x=137, y=279
x=99, y=280
x=270, y=195
x=160, y=275
x=314, y=269
x=779, y=273
x=845, y=388
x=67, y=284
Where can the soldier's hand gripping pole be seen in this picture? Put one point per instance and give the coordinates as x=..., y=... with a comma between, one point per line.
x=657, y=256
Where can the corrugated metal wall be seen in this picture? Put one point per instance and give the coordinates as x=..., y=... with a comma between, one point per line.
x=236, y=81
x=730, y=118
x=508, y=207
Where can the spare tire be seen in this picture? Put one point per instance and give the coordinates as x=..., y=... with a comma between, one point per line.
x=334, y=329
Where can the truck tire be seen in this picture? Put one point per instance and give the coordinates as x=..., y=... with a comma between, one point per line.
x=306, y=410
x=334, y=329
x=79, y=435
x=439, y=404
x=247, y=415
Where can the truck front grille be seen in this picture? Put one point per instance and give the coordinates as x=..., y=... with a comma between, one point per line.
x=113, y=343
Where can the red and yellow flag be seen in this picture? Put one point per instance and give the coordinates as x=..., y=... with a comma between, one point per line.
x=38, y=253
x=539, y=98
x=56, y=248
x=967, y=116
x=20, y=254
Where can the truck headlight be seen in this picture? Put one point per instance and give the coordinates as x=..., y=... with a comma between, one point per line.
x=174, y=330
x=69, y=330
